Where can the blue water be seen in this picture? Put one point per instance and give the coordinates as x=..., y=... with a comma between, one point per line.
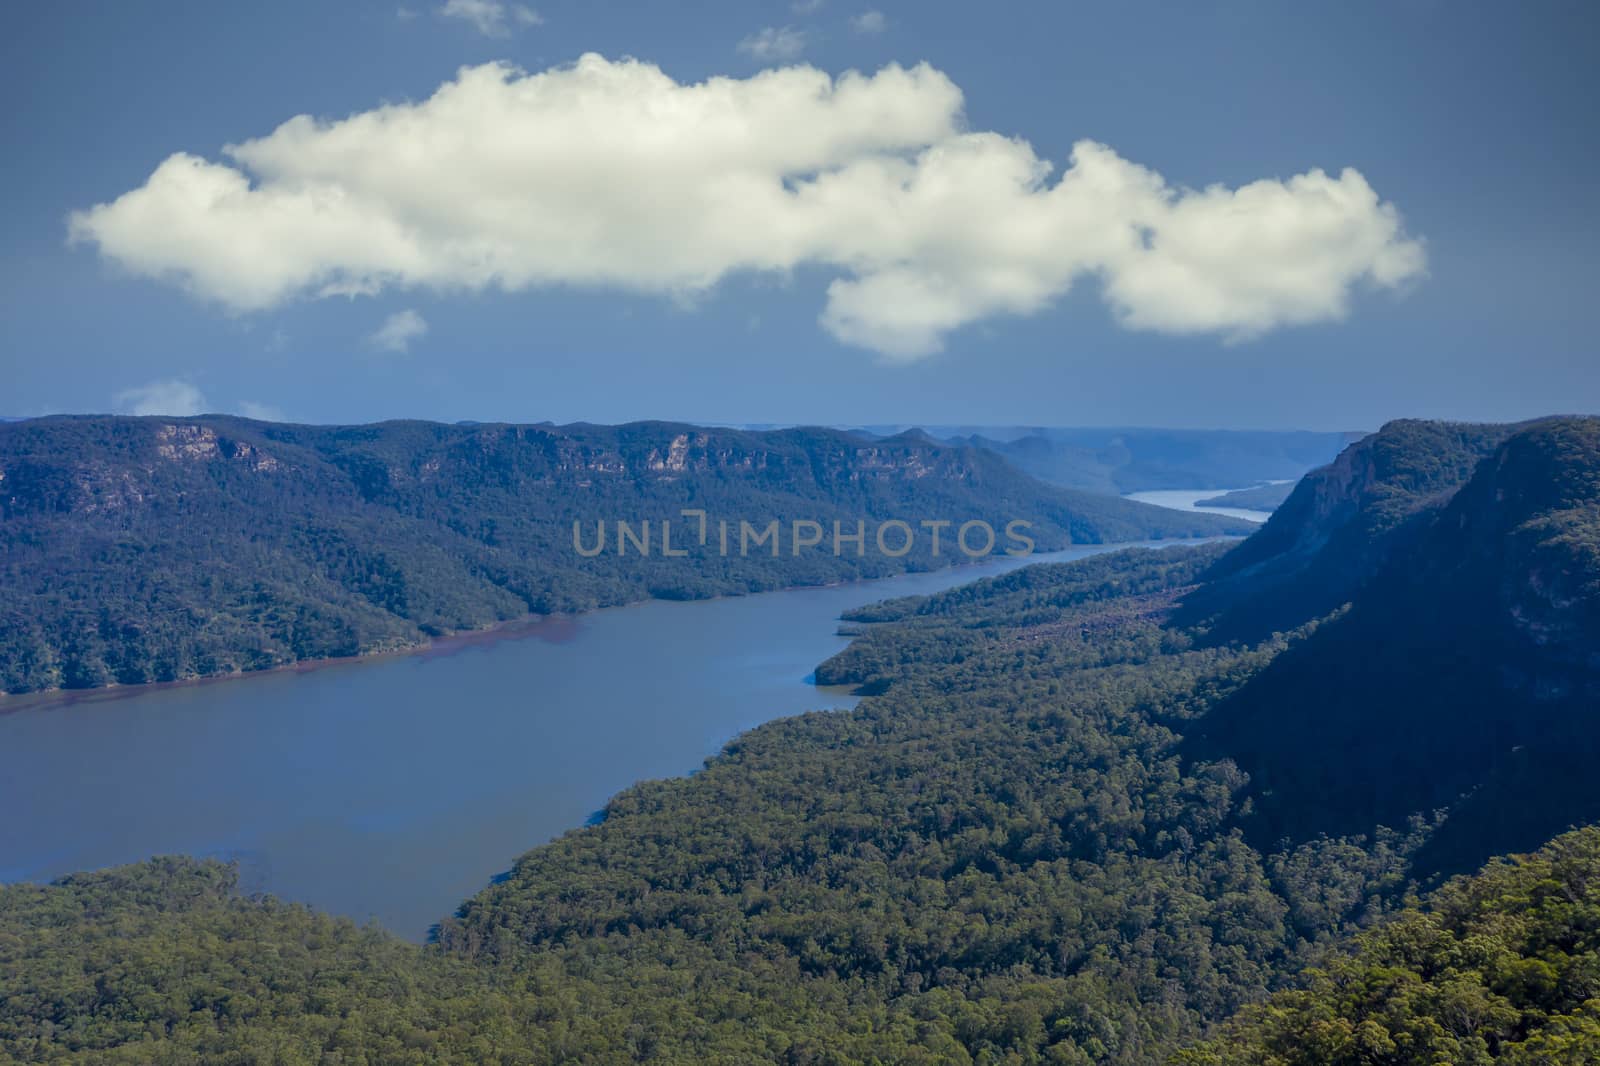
x=395, y=788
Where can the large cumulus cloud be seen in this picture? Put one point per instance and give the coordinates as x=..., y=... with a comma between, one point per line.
x=613, y=174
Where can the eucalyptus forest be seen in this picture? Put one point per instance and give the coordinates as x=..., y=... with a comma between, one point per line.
x=1317, y=797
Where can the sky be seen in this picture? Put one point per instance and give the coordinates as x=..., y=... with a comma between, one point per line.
x=1240, y=215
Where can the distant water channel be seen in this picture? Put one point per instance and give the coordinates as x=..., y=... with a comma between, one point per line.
x=1189, y=499
x=396, y=788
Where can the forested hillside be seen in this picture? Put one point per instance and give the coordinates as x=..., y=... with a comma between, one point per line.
x=1501, y=967
x=152, y=549
x=1066, y=826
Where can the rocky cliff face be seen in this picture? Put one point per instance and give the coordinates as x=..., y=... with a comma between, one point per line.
x=43, y=468
x=1524, y=535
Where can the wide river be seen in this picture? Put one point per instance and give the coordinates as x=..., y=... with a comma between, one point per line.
x=395, y=788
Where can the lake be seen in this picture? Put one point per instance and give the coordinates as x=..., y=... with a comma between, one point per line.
x=395, y=788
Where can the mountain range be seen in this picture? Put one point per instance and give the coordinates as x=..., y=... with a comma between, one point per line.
x=155, y=549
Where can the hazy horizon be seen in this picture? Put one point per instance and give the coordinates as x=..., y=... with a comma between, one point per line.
x=881, y=429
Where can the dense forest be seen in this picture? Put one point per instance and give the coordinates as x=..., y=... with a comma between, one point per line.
x=1501, y=967
x=153, y=549
x=1063, y=827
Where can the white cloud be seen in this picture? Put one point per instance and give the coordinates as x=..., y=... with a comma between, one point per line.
x=774, y=42
x=806, y=7
x=398, y=331
x=613, y=174
x=261, y=412
x=869, y=22
x=491, y=17
x=178, y=398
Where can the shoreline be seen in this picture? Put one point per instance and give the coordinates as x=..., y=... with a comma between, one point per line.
x=560, y=628
x=564, y=627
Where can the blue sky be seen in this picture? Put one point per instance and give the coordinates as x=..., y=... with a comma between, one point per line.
x=1475, y=121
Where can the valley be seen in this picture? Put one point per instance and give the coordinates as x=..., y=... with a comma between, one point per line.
x=799, y=534
x=1061, y=824
x=393, y=789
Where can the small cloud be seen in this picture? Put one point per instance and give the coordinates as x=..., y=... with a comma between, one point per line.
x=162, y=398
x=261, y=412
x=277, y=342
x=406, y=14
x=491, y=17
x=869, y=22
x=774, y=42
x=398, y=331
x=805, y=7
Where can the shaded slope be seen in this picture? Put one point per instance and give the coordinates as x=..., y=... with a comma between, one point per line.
x=1337, y=529
x=1465, y=676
